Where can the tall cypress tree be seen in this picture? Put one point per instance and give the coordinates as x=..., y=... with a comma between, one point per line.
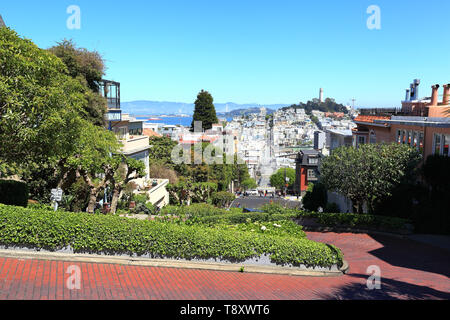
x=205, y=110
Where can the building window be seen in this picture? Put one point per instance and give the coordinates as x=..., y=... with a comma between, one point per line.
x=399, y=136
x=437, y=144
x=361, y=140
x=445, y=145
x=404, y=137
x=373, y=137
x=420, y=142
x=136, y=132
x=311, y=174
x=313, y=160
x=121, y=133
x=414, y=139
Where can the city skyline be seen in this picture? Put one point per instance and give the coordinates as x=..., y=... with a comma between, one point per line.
x=264, y=52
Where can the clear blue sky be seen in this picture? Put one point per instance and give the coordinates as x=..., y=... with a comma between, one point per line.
x=248, y=51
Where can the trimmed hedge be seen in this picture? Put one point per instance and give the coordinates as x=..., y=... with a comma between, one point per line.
x=234, y=218
x=88, y=233
x=349, y=220
x=14, y=193
x=356, y=220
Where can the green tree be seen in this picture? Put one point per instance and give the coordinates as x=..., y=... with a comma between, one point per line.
x=40, y=105
x=249, y=184
x=88, y=68
x=368, y=174
x=204, y=110
x=278, y=181
x=315, y=197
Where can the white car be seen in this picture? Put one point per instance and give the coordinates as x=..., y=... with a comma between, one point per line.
x=252, y=192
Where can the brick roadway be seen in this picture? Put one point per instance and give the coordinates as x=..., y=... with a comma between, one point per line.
x=409, y=270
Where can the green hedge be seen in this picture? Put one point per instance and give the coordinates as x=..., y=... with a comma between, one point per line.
x=356, y=220
x=115, y=235
x=14, y=193
x=351, y=220
x=197, y=210
x=234, y=218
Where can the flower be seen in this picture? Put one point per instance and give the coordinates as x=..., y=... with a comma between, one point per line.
x=263, y=228
x=277, y=225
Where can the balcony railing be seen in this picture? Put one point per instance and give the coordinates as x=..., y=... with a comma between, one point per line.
x=419, y=112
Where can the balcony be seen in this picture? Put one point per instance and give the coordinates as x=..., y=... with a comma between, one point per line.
x=111, y=91
x=135, y=144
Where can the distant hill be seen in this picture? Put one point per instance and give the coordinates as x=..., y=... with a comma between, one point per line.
x=329, y=105
x=145, y=107
x=239, y=112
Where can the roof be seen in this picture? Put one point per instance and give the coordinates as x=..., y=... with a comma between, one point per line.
x=370, y=119
x=340, y=132
x=150, y=133
x=2, y=23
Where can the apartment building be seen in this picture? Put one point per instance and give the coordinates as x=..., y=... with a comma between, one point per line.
x=129, y=131
x=423, y=123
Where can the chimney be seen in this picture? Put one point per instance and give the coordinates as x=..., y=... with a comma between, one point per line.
x=434, y=95
x=446, y=98
x=407, y=95
x=416, y=89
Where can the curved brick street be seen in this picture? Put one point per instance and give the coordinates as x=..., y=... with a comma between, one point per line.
x=409, y=270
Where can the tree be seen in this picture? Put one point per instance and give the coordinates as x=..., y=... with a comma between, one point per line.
x=249, y=184
x=204, y=110
x=315, y=197
x=278, y=181
x=368, y=174
x=95, y=161
x=40, y=105
x=88, y=68
x=125, y=171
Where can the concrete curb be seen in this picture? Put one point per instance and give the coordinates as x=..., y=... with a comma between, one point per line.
x=166, y=263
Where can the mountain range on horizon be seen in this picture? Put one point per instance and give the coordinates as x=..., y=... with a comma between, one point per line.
x=146, y=107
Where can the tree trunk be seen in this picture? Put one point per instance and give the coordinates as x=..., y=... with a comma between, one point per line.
x=115, y=198
x=92, y=200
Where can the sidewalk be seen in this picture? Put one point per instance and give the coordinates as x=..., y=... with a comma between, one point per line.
x=440, y=241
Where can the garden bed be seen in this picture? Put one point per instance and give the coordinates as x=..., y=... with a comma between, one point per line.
x=113, y=235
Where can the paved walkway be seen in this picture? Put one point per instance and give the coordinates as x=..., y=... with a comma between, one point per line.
x=409, y=270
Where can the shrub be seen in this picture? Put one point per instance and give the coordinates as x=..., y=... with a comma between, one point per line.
x=14, y=193
x=139, y=198
x=332, y=207
x=315, y=197
x=239, y=217
x=84, y=232
x=223, y=199
x=357, y=220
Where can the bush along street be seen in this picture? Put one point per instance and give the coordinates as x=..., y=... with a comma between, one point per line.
x=87, y=233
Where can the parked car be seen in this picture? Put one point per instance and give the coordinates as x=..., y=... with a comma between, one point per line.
x=251, y=192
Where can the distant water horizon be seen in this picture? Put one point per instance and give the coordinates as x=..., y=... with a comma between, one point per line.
x=172, y=121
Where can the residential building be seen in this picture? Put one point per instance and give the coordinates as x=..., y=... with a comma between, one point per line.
x=319, y=140
x=337, y=138
x=129, y=131
x=422, y=123
x=307, y=169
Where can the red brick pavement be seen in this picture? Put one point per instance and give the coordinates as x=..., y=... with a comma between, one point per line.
x=409, y=270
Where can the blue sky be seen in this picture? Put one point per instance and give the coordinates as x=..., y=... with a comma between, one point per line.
x=249, y=51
